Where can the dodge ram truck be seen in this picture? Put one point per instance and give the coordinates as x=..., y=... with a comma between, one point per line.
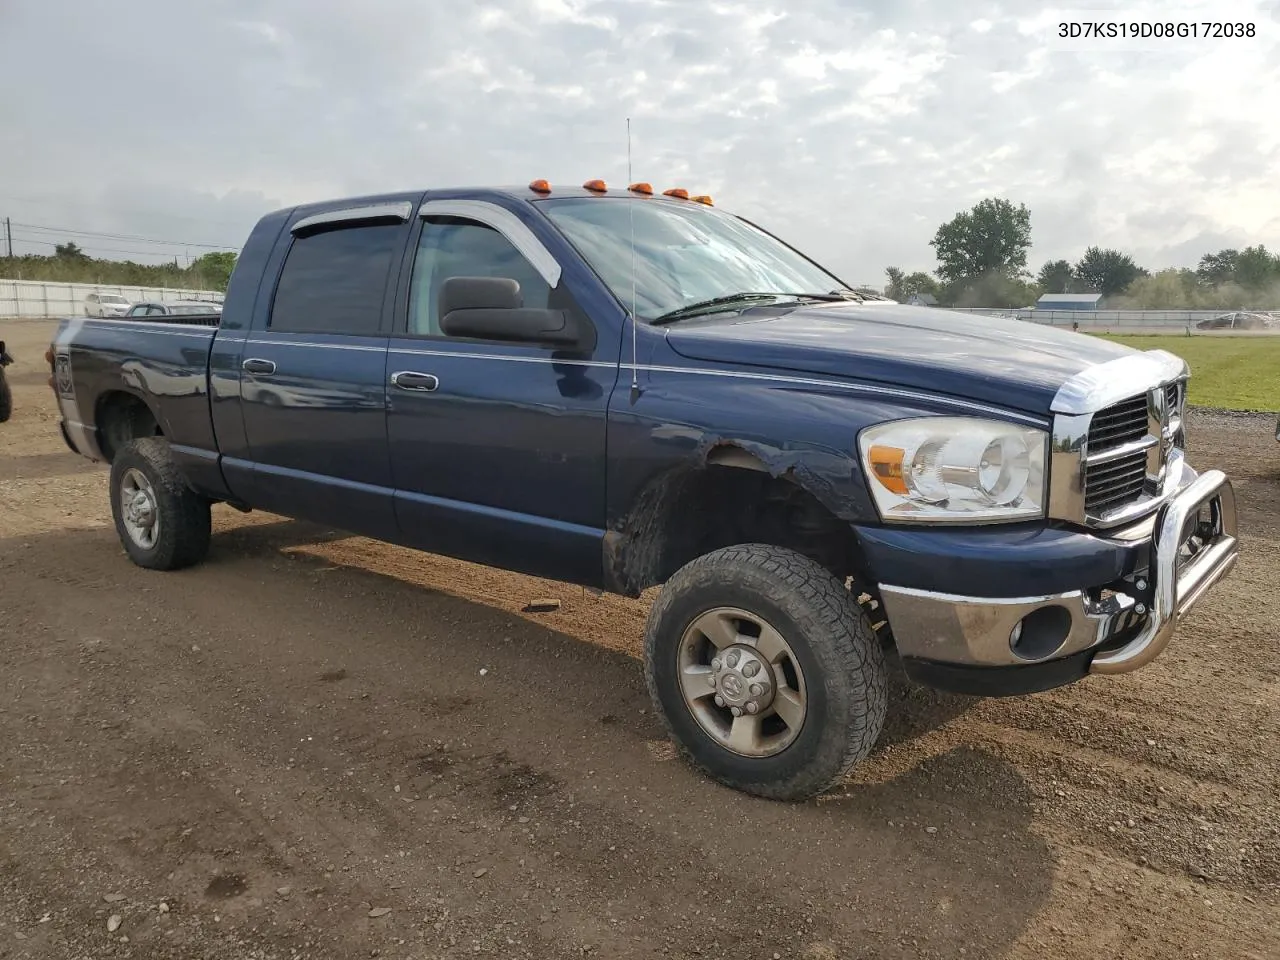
x=625, y=388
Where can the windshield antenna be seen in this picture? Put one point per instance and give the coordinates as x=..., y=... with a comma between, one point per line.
x=631, y=207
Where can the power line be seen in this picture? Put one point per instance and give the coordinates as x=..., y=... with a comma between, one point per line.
x=167, y=213
x=120, y=236
x=140, y=253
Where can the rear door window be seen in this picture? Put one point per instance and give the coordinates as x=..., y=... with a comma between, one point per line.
x=334, y=282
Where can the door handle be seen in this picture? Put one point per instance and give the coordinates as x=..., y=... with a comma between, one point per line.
x=419, y=382
x=254, y=365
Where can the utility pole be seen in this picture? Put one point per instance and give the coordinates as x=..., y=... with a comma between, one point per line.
x=8, y=235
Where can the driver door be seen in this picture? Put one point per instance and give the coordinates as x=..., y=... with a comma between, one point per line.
x=497, y=449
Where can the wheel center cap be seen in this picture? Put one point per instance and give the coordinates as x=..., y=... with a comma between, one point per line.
x=743, y=680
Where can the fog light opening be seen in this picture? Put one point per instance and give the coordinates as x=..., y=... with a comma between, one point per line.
x=1041, y=633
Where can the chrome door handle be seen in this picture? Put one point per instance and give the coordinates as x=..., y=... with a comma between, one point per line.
x=419, y=382
x=254, y=365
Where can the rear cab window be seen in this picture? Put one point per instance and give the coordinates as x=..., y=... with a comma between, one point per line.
x=334, y=281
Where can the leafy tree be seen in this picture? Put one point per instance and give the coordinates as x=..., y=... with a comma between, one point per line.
x=991, y=238
x=1256, y=268
x=68, y=251
x=1055, y=276
x=903, y=286
x=1218, y=268
x=893, y=290
x=1107, y=271
x=995, y=289
x=215, y=268
x=1179, y=290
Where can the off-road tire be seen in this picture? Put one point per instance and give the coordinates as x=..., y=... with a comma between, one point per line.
x=185, y=522
x=832, y=638
x=6, y=398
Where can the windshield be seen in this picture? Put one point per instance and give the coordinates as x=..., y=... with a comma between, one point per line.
x=685, y=253
x=192, y=310
x=110, y=298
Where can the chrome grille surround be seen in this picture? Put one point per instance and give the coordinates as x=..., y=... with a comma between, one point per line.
x=1108, y=464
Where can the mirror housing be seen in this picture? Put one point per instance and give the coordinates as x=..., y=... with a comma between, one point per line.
x=491, y=308
x=479, y=293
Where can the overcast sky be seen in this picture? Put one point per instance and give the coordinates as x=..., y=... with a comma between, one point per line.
x=852, y=129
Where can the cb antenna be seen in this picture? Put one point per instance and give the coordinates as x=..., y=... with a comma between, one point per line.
x=631, y=207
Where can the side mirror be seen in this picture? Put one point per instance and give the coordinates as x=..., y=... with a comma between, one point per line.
x=479, y=293
x=491, y=308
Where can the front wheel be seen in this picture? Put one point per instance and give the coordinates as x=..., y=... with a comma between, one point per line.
x=162, y=523
x=6, y=398
x=766, y=672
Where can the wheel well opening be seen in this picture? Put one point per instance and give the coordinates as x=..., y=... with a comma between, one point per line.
x=122, y=417
x=733, y=499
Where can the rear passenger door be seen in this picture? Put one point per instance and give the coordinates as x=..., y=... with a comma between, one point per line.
x=313, y=380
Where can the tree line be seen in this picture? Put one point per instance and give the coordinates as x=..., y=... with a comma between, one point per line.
x=982, y=262
x=70, y=264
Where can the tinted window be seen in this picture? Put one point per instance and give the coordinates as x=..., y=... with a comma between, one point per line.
x=451, y=247
x=333, y=282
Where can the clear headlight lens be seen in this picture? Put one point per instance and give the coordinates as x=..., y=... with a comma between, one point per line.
x=955, y=470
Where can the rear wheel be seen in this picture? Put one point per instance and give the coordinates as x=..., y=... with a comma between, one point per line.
x=162, y=523
x=6, y=398
x=766, y=671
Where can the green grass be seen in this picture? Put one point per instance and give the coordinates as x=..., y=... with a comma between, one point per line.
x=1232, y=373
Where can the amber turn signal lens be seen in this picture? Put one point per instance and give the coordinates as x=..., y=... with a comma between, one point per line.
x=645, y=188
x=48, y=355
x=702, y=198
x=596, y=186
x=886, y=466
x=680, y=193
x=540, y=186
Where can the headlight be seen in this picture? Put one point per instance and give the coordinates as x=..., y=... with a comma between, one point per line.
x=954, y=470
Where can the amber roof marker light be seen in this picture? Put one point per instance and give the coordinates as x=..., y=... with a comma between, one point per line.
x=702, y=198
x=540, y=186
x=680, y=193
x=645, y=188
x=595, y=186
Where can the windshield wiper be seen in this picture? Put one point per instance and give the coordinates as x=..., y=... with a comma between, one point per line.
x=706, y=306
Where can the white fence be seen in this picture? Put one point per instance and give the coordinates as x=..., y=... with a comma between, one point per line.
x=1104, y=320
x=39, y=298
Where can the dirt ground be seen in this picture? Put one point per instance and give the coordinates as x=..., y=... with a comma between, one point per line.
x=314, y=745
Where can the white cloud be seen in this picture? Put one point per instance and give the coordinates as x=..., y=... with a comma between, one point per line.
x=852, y=131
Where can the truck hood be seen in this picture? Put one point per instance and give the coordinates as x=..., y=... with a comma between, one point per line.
x=1010, y=363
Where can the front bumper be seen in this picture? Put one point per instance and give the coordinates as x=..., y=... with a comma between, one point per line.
x=994, y=645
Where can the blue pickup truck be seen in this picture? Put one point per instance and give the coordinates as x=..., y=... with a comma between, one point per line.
x=622, y=388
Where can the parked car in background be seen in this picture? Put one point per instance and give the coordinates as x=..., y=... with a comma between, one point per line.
x=1238, y=320
x=105, y=305
x=178, y=308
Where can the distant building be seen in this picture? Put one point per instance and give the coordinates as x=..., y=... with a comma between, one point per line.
x=1069, y=301
x=922, y=300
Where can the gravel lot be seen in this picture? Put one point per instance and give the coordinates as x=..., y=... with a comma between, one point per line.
x=316, y=745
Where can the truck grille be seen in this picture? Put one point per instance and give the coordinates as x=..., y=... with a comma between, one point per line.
x=1120, y=440
x=1118, y=455
x=1115, y=484
x=1118, y=425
